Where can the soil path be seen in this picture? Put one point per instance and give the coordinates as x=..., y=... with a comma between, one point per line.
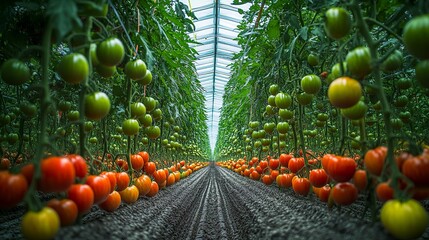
x=215, y=203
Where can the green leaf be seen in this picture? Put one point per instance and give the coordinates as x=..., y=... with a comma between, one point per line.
x=63, y=15
x=273, y=29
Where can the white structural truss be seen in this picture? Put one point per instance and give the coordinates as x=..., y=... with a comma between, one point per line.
x=215, y=31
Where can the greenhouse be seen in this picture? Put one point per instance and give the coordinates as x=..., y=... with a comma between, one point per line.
x=214, y=119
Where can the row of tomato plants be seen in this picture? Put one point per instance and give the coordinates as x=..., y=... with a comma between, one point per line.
x=338, y=180
x=72, y=191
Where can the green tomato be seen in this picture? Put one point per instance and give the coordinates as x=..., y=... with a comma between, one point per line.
x=157, y=114
x=269, y=127
x=147, y=79
x=28, y=109
x=105, y=71
x=73, y=68
x=146, y=120
x=283, y=100
x=272, y=100
x=311, y=84
x=73, y=116
x=344, y=92
x=404, y=220
x=88, y=126
x=282, y=127
x=393, y=62
x=15, y=72
x=274, y=89
x=337, y=23
x=93, y=140
x=336, y=71
x=135, y=69
x=356, y=111
x=285, y=114
x=416, y=35
x=150, y=103
x=153, y=132
x=359, y=62
x=304, y=98
x=110, y=52
x=97, y=105
x=422, y=73
x=254, y=124
x=64, y=106
x=322, y=117
x=404, y=83
x=138, y=109
x=312, y=59
x=130, y=127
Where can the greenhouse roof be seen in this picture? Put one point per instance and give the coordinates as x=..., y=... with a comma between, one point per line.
x=215, y=31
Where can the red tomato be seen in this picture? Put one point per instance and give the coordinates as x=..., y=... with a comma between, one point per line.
x=4, y=164
x=66, y=210
x=384, y=192
x=263, y=164
x=130, y=194
x=359, y=179
x=28, y=172
x=417, y=170
x=318, y=177
x=143, y=184
x=58, y=174
x=259, y=169
x=112, y=202
x=274, y=174
x=153, y=189
x=374, y=160
x=145, y=156
x=171, y=179
x=324, y=193
x=112, y=178
x=80, y=167
x=342, y=169
x=122, y=181
x=301, y=186
x=284, y=159
x=274, y=163
x=267, y=180
x=344, y=193
x=122, y=164
x=13, y=188
x=295, y=164
x=83, y=196
x=100, y=186
x=255, y=175
x=137, y=162
x=150, y=168
x=325, y=161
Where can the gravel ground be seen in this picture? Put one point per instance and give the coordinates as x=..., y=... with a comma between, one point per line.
x=215, y=203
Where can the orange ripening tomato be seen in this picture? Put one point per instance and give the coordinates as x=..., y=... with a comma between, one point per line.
x=143, y=184
x=154, y=188
x=284, y=159
x=374, y=160
x=112, y=202
x=150, y=168
x=122, y=181
x=295, y=164
x=137, y=162
x=130, y=194
x=384, y=192
x=301, y=186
